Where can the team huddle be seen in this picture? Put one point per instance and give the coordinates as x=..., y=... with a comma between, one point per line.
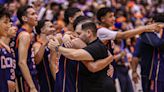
x=34, y=57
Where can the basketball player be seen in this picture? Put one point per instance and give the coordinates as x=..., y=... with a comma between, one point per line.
x=26, y=71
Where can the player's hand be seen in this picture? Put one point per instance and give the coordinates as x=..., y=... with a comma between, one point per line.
x=67, y=41
x=53, y=44
x=123, y=53
x=152, y=27
x=66, y=37
x=11, y=86
x=50, y=37
x=110, y=71
x=59, y=37
x=135, y=77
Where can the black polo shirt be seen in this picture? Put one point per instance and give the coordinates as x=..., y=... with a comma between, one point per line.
x=99, y=81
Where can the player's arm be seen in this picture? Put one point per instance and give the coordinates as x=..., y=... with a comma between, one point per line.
x=36, y=47
x=75, y=54
x=40, y=49
x=24, y=41
x=53, y=63
x=134, y=64
x=99, y=64
x=77, y=43
x=133, y=32
x=40, y=53
x=135, y=60
x=119, y=56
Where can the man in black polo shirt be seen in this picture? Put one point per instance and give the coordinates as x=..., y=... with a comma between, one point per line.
x=95, y=50
x=98, y=81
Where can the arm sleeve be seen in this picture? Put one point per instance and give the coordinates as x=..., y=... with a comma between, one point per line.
x=106, y=34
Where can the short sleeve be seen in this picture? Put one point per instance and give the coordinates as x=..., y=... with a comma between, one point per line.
x=106, y=34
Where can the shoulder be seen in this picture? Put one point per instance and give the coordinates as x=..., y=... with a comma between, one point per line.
x=97, y=50
x=23, y=38
x=24, y=35
x=97, y=46
x=36, y=45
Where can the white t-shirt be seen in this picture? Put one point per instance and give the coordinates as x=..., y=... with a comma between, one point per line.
x=106, y=34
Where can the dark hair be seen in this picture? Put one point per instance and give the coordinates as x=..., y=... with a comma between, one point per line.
x=53, y=4
x=91, y=26
x=22, y=11
x=41, y=23
x=79, y=19
x=102, y=12
x=10, y=1
x=4, y=12
x=158, y=17
x=70, y=12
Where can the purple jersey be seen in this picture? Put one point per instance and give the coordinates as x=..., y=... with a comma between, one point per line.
x=22, y=84
x=7, y=72
x=67, y=76
x=30, y=58
x=45, y=77
x=157, y=43
x=3, y=81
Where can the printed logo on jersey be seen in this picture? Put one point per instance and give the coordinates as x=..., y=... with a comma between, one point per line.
x=8, y=63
